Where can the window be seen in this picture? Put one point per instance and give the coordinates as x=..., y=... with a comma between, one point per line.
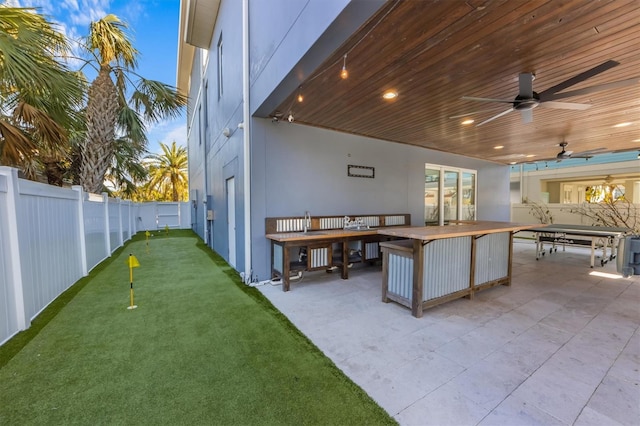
x=199, y=127
x=204, y=58
x=449, y=194
x=205, y=104
x=220, y=80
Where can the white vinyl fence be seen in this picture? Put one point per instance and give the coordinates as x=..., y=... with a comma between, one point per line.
x=50, y=237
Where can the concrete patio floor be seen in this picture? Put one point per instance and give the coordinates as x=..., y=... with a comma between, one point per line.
x=558, y=347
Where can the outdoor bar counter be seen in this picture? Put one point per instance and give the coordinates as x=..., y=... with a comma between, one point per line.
x=319, y=245
x=436, y=264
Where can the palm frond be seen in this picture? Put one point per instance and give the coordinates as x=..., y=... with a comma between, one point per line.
x=28, y=48
x=110, y=42
x=15, y=143
x=157, y=100
x=130, y=124
x=168, y=172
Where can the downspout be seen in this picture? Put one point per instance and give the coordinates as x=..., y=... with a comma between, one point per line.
x=205, y=224
x=247, y=142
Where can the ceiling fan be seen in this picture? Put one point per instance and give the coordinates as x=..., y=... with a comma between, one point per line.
x=565, y=155
x=527, y=99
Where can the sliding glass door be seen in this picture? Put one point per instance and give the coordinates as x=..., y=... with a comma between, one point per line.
x=449, y=194
x=431, y=196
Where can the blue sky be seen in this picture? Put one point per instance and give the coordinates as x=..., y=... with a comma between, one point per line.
x=153, y=25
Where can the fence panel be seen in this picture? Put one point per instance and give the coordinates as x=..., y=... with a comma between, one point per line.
x=94, y=235
x=49, y=243
x=114, y=223
x=125, y=210
x=168, y=214
x=146, y=217
x=49, y=237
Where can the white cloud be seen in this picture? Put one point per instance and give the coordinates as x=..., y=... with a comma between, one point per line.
x=178, y=134
x=166, y=132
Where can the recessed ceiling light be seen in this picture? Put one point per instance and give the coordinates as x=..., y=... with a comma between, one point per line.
x=390, y=94
x=625, y=124
x=498, y=147
x=636, y=140
x=467, y=122
x=530, y=155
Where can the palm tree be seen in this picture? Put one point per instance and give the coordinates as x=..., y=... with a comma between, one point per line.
x=109, y=114
x=39, y=96
x=168, y=172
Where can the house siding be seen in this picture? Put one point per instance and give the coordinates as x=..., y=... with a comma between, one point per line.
x=295, y=168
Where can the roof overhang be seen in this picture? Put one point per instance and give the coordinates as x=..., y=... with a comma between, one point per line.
x=197, y=20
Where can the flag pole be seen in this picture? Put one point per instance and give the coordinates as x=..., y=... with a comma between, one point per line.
x=133, y=262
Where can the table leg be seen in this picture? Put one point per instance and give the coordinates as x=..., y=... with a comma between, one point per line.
x=385, y=275
x=286, y=268
x=417, y=291
x=345, y=260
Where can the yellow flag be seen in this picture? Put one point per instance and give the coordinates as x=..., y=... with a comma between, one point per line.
x=147, y=233
x=132, y=261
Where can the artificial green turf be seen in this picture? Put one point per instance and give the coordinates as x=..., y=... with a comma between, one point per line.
x=201, y=348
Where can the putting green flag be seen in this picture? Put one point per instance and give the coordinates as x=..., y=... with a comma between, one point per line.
x=133, y=261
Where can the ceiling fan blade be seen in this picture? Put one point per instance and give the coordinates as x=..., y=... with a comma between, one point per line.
x=592, y=89
x=582, y=156
x=564, y=105
x=471, y=98
x=589, y=152
x=579, y=78
x=495, y=116
x=525, y=85
x=471, y=113
x=527, y=115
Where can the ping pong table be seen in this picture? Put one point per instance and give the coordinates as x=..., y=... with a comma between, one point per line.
x=603, y=238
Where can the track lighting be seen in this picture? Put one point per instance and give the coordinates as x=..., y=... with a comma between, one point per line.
x=290, y=118
x=344, y=74
x=300, y=97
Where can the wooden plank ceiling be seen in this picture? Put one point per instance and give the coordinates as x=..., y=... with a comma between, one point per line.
x=432, y=53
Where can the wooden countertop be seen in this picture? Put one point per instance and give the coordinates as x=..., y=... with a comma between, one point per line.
x=415, y=232
x=317, y=235
x=462, y=229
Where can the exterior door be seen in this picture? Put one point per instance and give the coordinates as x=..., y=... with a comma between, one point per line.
x=231, y=220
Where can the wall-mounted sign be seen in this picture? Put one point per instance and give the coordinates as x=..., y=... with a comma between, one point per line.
x=361, y=171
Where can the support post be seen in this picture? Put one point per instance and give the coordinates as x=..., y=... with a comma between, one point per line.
x=14, y=266
x=107, y=234
x=81, y=233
